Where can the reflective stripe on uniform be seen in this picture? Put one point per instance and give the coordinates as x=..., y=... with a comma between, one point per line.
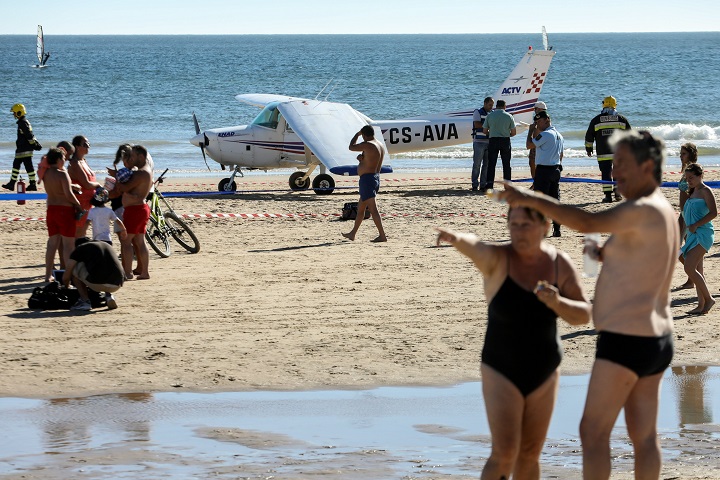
x=605, y=126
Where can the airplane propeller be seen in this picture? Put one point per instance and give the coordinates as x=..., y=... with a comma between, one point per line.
x=205, y=141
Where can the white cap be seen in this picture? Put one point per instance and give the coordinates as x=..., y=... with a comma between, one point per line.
x=541, y=105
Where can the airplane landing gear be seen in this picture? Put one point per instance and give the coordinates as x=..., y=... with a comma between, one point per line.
x=323, y=184
x=228, y=184
x=299, y=181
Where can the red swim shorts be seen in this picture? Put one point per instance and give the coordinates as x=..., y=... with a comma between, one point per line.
x=60, y=220
x=135, y=218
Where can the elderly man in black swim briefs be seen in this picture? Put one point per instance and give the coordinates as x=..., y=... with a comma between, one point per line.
x=370, y=158
x=631, y=310
x=528, y=284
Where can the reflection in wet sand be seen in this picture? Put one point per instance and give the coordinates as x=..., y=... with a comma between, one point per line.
x=386, y=433
x=690, y=384
x=63, y=435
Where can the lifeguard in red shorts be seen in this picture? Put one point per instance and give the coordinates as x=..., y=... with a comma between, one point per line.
x=81, y=174
x=62, y=206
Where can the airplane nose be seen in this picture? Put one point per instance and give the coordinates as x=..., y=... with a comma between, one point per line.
x=198, y=140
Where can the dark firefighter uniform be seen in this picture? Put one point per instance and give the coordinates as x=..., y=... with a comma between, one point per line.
x=600, y=129
x=25, y=145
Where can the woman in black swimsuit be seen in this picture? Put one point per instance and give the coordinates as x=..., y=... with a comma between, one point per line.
x=528, y=284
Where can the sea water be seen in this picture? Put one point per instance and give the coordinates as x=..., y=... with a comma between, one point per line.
x=144, y=89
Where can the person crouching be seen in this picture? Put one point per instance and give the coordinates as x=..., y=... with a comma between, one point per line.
x=95, y=265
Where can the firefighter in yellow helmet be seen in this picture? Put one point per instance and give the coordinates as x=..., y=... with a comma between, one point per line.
x=24, y=147
x=600, y=129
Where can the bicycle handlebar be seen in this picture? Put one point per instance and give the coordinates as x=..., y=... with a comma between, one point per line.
x=160, y=178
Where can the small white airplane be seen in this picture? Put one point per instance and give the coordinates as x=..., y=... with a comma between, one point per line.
x=302, y=133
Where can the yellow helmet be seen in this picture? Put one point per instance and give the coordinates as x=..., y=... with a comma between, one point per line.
x=609, y=102
x=18, y=110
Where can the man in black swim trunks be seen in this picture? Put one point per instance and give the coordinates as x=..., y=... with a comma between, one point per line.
x=631, y=310
x=370, y=158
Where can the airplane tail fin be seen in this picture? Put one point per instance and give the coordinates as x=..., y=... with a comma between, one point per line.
x=523, y=86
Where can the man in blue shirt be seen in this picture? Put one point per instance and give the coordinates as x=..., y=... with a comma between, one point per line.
x=499, y=126
x=548, y=145
x=480, y=146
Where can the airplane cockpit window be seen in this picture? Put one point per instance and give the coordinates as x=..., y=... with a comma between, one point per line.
x=268, y=117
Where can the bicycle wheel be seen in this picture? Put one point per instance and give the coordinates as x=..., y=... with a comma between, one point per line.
x=182, y=233
x=158, y=239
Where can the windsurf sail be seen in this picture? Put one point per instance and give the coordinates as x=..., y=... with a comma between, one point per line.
x=546, y=44
x=40, y=46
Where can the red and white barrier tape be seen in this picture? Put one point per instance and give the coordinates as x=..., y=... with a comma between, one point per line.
x=286, y=215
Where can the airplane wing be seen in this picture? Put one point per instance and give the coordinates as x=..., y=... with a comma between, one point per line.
x=262, y=99
x=326, y=128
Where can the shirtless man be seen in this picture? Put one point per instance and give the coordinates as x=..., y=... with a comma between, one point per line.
x=62, y=206
x=136, y=213
x=631, y=310
x=370, y=158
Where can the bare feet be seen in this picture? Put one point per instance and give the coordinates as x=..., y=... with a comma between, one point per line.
x=684, y=286
x=708, y=305
x=129, y=276
x=136, y=271
x=142, y=277
x=379, y=239
x=702, y=310
x=349, y=236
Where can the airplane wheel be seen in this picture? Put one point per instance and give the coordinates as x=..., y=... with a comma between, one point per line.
x=297, y=184
x=323, y=184
x=226, y=186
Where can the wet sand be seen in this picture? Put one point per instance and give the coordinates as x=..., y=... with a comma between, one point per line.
x=285, y=303
x=389, y=432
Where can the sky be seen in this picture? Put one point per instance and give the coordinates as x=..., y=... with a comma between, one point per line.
x=202, y=17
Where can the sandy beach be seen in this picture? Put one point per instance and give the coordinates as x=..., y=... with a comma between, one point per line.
x=280, y=301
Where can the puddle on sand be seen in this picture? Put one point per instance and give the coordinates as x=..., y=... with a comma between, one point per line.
x=388, y=432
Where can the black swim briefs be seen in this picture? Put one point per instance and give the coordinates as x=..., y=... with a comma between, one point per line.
x=643, y=355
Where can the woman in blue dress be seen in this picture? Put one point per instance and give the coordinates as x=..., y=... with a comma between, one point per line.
x=688, y=155
x=699, y=209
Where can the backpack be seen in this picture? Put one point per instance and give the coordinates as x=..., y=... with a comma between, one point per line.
x=349, y=211
x=55, y=296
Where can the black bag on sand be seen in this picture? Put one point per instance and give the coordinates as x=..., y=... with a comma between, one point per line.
x=349, y=211
x=55, y=296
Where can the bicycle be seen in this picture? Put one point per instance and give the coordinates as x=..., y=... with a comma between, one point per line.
x=165, y=225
